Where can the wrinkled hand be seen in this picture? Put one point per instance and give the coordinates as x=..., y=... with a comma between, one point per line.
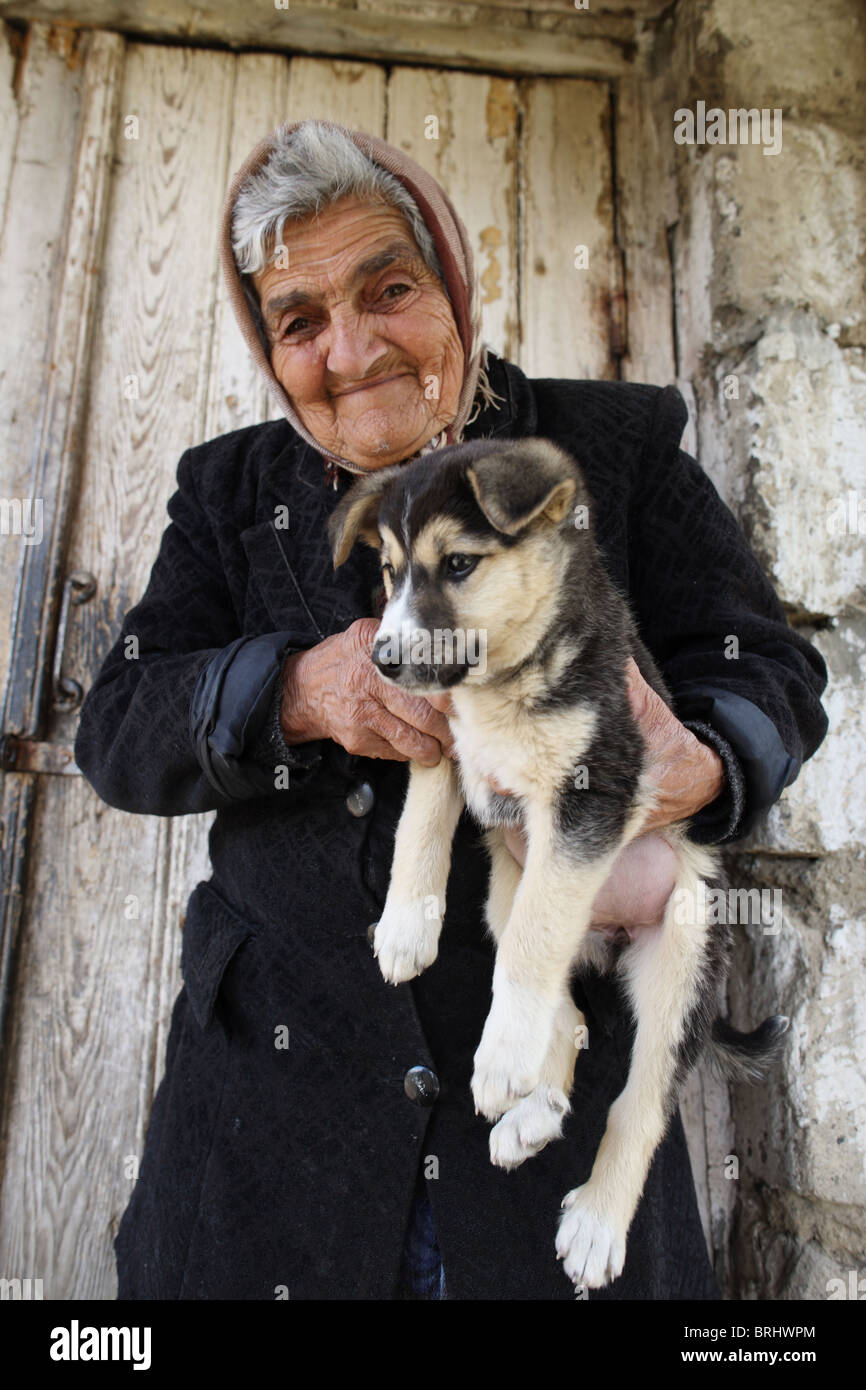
x=334, y=691
x=685, y=773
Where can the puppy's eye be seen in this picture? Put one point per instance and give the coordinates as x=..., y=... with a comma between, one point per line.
x=388, y=569
x=458, y=566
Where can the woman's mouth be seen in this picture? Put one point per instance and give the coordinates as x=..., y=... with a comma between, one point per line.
x=370, y=385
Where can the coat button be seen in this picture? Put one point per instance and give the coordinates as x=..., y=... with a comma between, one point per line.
x=421, y=1085
x=360, y=800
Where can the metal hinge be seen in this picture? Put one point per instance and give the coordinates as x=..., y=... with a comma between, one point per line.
x=19, y=754
x=27, y=755
x=618, y=312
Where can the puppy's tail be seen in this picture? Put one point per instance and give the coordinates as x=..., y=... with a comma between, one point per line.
x=747, y=1057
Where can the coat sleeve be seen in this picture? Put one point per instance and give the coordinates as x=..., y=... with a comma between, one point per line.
x=741, y=677
x=183, y=715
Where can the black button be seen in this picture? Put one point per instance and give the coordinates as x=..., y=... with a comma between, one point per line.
x=360, y=800
x=421, y=1085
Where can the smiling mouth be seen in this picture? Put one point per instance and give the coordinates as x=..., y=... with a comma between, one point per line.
x=368, y=385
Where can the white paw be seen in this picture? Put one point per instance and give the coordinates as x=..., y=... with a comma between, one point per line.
x=512, y=1050
x=501, y=1077
x=528, y=1126
x=590, y=1242
x=406, y=940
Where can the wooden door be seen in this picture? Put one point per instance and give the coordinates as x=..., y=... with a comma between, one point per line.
x=114, y=160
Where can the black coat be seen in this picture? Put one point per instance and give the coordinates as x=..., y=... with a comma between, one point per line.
x=289, y=1170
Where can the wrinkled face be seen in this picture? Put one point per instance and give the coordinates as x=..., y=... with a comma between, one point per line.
x=362, y=336
x=465, y=601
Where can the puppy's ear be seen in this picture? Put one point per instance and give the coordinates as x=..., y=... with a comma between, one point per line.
x=356, y=515
x=516, y=483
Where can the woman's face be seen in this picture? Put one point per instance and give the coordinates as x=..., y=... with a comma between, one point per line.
x=361, y=333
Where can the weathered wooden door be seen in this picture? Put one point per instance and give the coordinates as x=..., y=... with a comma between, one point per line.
x=118, y=353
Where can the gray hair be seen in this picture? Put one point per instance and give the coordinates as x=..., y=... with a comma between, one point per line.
x=308, y=169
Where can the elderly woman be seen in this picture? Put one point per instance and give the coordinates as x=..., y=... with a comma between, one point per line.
x=314, y=1134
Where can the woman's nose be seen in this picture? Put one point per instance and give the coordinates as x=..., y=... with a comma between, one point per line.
x=351, y=347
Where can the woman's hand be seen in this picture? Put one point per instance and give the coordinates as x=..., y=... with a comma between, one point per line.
x=334, y=691
x=686, y=773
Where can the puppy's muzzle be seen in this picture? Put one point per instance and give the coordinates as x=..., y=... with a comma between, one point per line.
x=395, y=662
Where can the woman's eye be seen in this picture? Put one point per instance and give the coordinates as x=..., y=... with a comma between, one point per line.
x=296, y=326
x=403, y=289
x=458, y=566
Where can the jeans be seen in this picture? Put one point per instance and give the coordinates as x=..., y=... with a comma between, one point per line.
x=422, y=1275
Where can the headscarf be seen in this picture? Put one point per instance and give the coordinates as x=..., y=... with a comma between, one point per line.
x=455, y=256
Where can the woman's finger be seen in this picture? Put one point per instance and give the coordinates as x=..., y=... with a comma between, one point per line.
x=417, y=711
x=442, y=702
x=405, y=738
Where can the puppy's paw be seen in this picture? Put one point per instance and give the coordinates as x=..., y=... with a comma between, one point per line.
x=406, y=941
x=512, y=1051
x=498, y=1084
x=590, y=1241
x=528, y=1126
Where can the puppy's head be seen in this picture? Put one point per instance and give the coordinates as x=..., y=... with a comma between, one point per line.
x=474, y=541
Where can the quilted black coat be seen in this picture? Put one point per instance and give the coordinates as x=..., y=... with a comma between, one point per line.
x=282, y=1152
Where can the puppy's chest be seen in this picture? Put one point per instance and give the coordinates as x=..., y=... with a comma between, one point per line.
x=527, y=753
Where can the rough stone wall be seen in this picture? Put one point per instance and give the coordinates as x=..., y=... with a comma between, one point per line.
x=770, y=328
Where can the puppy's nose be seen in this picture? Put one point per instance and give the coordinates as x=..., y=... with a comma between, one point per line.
x=387, y=654
x=396, y=656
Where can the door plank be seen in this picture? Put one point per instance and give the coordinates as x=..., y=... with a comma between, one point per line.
x=38, y=144
x=237, y=395
x=474, y=157
x=568, y=199
x=352, y=94
x=64, y=360
x=647, y=206
x=83, y=1022
x=8, y=111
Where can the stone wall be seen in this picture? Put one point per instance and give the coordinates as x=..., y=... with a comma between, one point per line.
x=770, y=331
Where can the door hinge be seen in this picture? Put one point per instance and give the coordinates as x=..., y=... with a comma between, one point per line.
x=28, y=755
x=618, y=313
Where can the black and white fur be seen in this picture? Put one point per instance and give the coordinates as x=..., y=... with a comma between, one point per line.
x=552, y=699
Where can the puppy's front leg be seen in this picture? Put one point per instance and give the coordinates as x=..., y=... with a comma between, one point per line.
x=406, y=939
x=536, y=1119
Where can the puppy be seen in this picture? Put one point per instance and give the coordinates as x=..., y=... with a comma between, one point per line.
x=497, y=593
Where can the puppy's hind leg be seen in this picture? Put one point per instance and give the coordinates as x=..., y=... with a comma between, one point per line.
x=535, y=1120
x=667, y=971
x=503, y=882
